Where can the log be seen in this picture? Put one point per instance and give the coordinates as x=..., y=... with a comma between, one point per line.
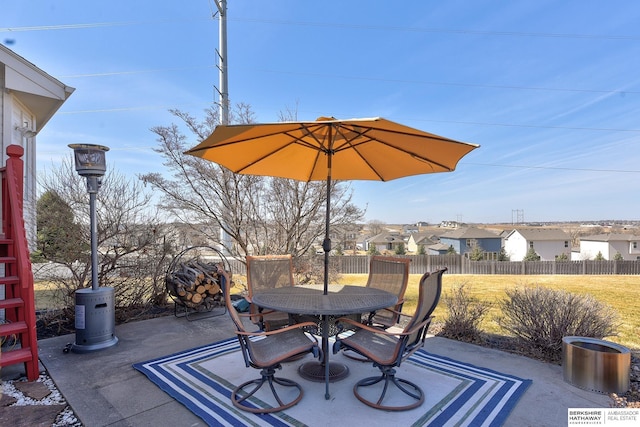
x=195, y=284
x=215, y=289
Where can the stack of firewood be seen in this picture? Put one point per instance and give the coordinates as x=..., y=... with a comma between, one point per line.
x=195, y=284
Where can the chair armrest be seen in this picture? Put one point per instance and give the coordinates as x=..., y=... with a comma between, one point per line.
x=382, y=331
x=396, y=312
x=277, y=331
x=262, y=312
x=250, y=315
x=393, y=310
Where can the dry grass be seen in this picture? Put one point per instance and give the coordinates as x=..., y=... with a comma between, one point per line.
x=45, y=296
x=620, y=292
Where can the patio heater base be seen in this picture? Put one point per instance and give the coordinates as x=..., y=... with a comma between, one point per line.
x=95, y=320
x=314, y=371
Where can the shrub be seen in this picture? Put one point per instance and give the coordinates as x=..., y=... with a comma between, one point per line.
x=477, y=254
x=464, y=315
x=540, y=317
x=531, y=255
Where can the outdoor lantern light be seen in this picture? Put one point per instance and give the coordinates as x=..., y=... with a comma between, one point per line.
x=90, y=159
x=95, y=307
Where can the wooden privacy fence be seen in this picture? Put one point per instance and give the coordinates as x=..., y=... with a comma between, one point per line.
x=460, y=264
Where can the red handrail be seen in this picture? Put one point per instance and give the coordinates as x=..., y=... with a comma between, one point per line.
x=14, y=229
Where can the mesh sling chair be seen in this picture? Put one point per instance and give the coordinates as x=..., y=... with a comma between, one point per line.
x=267, y=354
x=268, y=272
x=392, y=275
x=387, y=350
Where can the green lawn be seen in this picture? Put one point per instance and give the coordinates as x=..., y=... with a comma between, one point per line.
x=622, y=293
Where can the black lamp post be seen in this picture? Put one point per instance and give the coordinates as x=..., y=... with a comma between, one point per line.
x=95, y=307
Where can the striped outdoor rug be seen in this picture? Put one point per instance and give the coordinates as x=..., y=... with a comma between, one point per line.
x=456, y=393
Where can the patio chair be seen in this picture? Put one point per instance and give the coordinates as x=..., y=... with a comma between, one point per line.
x=268, y=272
x=390, y=274
x=267, y=351
x=387, y=350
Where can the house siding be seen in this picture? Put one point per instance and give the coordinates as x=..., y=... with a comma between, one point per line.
x=29, y=99
x=548, y=250
x=547, y=244
x=589, y=249
x=516, y=247
x=460, y=245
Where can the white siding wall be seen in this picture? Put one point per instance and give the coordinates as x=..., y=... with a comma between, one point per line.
x=549, y=249
x=411, y=245
x=516, y=246
x=21, y=117
x=621, y=247
x=589, y=249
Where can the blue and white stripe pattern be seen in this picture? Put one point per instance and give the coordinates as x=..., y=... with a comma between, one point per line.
x=456, y=394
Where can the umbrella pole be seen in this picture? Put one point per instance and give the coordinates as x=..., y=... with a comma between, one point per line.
x=326, y=244
x=326, y=247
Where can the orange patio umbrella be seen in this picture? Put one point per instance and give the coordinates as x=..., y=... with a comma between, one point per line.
x=329, y=149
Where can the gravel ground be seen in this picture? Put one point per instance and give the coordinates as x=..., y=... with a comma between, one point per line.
x=45, y=395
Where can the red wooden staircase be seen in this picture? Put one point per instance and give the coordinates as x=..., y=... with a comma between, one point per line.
x=18, y=330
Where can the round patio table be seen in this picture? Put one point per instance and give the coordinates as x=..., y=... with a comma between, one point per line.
x=310, y=300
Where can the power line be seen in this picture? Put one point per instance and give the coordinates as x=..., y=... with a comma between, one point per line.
x=94, y=25
x=445, y=30
x=331, y=25
x=529, y=125
x=553, y=168
x=123, y=73
x=427, y=82
x=458, y=122
x=324, y=76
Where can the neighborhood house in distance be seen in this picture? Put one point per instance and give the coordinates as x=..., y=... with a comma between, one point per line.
x=570, y=241
x=549, y=242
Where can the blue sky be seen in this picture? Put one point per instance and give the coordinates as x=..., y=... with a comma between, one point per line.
x=549, y=89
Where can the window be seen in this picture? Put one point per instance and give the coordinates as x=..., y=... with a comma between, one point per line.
x=566, y=243
x=635, y=245
x=531, y=245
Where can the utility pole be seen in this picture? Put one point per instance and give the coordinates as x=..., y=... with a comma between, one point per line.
x=517, y=216
x=223, y=90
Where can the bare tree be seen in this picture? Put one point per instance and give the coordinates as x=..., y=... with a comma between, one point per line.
x=132, y=254
x=376, y=227
x=260, y=214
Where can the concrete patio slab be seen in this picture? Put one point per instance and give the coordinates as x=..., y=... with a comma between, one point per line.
x=103, y=388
